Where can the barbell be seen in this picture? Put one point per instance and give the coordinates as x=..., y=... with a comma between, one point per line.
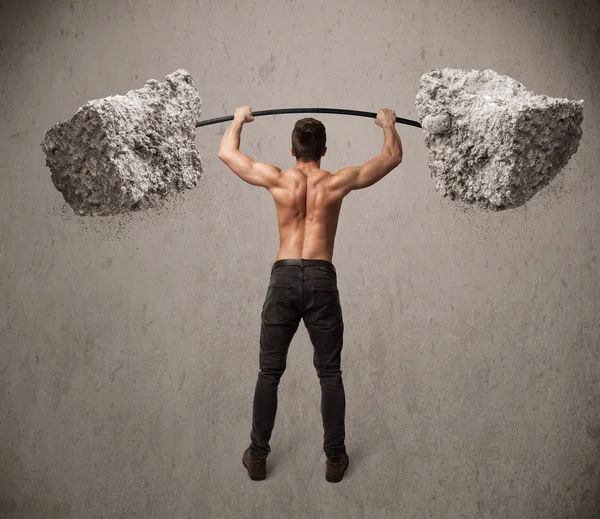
x=491, y=141
x=277, y=111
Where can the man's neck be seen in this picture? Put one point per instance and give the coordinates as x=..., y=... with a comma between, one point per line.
x=308, y=165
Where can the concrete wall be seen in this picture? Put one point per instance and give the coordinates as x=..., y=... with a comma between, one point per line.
x=129, y=345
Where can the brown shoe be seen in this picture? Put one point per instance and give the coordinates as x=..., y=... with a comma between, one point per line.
x=257, y=468
x=334, y=469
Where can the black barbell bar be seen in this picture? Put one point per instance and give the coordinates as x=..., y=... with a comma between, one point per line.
x=358, y=113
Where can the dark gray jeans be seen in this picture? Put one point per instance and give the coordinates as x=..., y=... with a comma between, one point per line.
x=301, y=289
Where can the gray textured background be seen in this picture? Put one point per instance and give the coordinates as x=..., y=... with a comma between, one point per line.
x=129, y=345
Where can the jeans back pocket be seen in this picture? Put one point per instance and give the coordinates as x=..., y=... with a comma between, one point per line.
x=277, y=308
x=327, y=307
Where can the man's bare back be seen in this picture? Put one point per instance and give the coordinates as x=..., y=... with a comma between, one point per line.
x=308, y=199
x=308, y=210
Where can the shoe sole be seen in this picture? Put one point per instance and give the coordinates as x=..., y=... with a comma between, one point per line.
x=255, y=477
x=337, y=480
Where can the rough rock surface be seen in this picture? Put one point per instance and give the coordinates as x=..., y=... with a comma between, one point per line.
x=491, y=141
x=128, y=152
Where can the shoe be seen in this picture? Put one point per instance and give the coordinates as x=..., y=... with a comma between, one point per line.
x=334, y=469
x=257, y=468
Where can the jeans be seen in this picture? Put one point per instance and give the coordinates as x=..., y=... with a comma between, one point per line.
x=307, y=289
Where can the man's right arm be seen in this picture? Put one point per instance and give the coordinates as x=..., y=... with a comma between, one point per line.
x=359, y=177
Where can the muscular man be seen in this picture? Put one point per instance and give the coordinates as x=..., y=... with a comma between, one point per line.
x=303, y=282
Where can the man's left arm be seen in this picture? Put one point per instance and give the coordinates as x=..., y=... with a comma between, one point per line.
x=249, y=170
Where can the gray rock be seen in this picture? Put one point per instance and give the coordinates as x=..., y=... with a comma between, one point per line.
x=128, y=152
x=491, y=141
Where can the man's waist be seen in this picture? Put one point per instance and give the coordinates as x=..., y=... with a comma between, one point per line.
x=304, y=262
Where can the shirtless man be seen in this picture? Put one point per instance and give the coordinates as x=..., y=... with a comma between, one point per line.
x=303, y=282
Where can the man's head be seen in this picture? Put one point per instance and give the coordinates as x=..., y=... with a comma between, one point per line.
x=308, y=140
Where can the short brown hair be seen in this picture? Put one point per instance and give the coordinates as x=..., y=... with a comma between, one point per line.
x=308, y=139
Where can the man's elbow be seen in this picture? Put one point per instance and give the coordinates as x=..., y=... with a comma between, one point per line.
x=397, y=160
x=392, y=158
x=222, y=155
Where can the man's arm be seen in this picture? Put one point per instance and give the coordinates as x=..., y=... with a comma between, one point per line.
x=252, y=172
x=360, y=177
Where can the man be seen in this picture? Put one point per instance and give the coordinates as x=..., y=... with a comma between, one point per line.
x=303, y=283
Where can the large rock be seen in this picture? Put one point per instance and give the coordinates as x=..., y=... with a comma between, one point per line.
x=128, y=152
x=491, y=141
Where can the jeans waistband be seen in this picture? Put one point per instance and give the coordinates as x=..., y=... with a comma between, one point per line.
x=303, y=262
